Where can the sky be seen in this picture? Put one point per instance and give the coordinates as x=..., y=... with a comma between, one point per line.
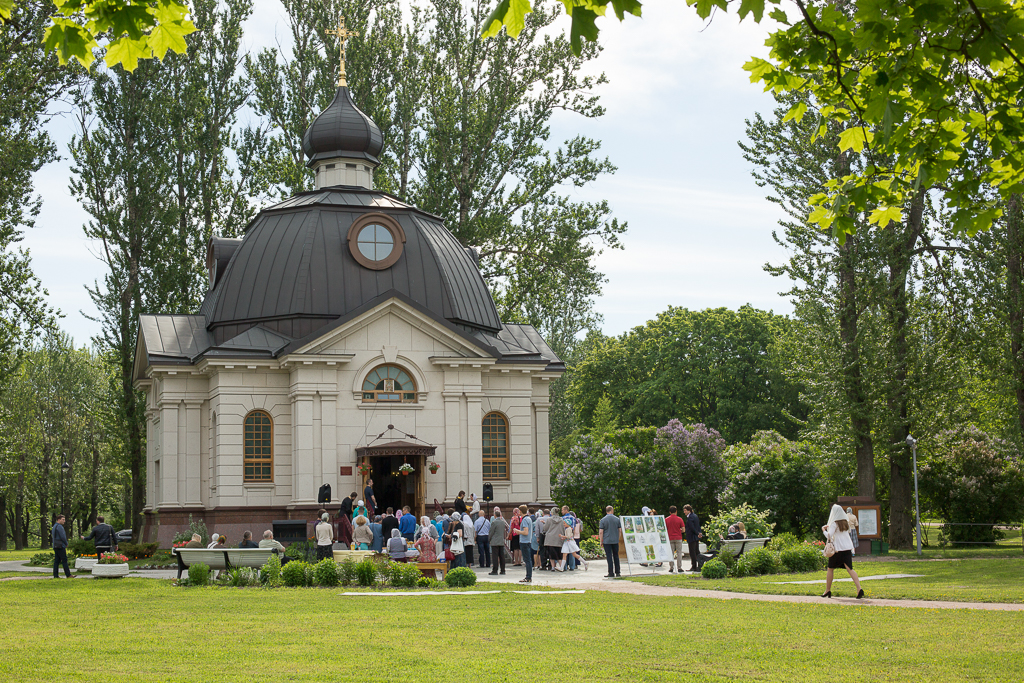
x=700, y=230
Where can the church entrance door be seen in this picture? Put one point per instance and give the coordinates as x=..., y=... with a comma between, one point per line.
x=391, y=488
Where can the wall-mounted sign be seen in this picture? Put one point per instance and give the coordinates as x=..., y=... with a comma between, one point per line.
x=346, y=471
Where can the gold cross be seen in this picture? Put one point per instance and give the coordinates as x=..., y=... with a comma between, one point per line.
x=343, y=35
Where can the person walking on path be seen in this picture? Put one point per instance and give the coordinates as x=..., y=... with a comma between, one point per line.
x=102, y=536
x=837, y=531
x=693, y=536
x=569, y=546
x=324, y=537
x=526, y=539
x=482, y=527
x=499, y=531
x=60, y=547
x=854, y=523
x=675, y=525
x=608, y=535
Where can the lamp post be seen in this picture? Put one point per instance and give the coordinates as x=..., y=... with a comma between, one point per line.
x=912, y=442
x=63, y=470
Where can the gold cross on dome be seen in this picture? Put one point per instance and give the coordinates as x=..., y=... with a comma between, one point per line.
x=343, y=35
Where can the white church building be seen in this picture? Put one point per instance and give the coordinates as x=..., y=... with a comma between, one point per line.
x=345, y=335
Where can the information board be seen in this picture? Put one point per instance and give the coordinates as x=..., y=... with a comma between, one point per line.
x=867, y=521
x=646, y=539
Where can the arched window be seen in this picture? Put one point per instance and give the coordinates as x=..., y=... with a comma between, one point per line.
x=258, y=458
x=495, y=432
x=390, y=384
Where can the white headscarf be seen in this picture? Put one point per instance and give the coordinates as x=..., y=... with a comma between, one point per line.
x=837, y=514
x=456, y=516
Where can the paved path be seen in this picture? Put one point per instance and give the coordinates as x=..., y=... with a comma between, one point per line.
x=876, y=577
x=593, y=580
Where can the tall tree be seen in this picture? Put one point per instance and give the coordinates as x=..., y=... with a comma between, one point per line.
x=150, y=170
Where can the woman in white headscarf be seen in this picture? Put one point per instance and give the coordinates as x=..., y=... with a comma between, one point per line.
x=838, y=532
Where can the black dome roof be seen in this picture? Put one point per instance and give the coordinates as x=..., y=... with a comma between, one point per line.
x=342, y=130
x=293, y=272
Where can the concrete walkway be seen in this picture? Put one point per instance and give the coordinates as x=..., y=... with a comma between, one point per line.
x=595, y=580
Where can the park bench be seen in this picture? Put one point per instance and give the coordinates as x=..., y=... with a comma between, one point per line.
x=433, y=567
x=222, y=559
x=741, y=545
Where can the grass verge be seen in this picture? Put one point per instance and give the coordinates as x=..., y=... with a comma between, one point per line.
x=992, y=580
x=146, y=630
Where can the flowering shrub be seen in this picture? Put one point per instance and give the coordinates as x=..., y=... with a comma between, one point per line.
x=630, y=468
x=756, y=522
x=969, y=477
x=781, y=476
x=112, y=558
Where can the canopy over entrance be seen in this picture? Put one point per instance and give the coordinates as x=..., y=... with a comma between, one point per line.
x=391, y=488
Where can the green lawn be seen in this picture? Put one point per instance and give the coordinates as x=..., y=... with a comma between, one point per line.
x=991, y=580
x=9, y=555
x=147, y=630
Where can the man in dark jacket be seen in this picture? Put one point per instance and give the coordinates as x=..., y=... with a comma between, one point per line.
x=460, y=503
x=60, y=547
x=347, y=503
x=693, y=536
x=102, y=536
x=388, y=523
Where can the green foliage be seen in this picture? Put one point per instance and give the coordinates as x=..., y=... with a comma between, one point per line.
x=325, y=573
x=431, y=583
x=968, y=477
x=591, y=548
x=712, y=367
x=460, y=577
x=906, y=88
x=604, y=420
x=758, y=561
x=44, y=559
x=241, y=577
x=198, y=574
x=347, y=572
x=194, y=527
x=726, y=557
x=405, y=575
x=783, y=541
x=137, y=551
x=802, y=558
x=714, y=569
x=270, y=574
x=80, y=547
x=366, y=572
x=294, y=574
x=649, y=467
x=131, y=31
x=781, y=476
x=302, y=550
x=755, y=521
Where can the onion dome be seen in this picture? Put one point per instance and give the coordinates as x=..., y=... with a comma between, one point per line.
x=342, y=131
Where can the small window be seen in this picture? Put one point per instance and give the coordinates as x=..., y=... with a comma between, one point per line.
x=495, y=446
x=258, y=449
x=389, y=384
x=375, y=241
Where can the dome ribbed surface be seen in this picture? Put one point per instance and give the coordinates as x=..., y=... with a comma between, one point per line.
x=342, y=130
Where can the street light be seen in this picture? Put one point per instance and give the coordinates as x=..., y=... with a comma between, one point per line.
x=63, y=470
x=912, y=442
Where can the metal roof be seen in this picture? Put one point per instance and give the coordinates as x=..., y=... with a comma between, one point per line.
x=342, y=130
x=294, y=262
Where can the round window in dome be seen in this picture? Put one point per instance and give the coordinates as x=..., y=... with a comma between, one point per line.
x=376, y=241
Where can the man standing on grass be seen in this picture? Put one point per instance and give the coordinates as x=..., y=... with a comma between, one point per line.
x=693, y=536
x=102, y=536
x=675, y=525
x=60, y=547
x=608, y=535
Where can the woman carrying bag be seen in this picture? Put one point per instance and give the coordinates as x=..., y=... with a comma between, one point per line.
x=457, y=547
x=839, y=549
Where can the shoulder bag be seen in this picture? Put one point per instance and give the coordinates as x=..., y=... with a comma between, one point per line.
x=830, y=548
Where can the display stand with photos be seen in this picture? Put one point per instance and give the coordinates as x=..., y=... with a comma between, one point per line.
x=646, y=540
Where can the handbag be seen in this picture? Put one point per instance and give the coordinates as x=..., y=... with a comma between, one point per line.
x=458, y=546
x=830, y=548
x=449, y=556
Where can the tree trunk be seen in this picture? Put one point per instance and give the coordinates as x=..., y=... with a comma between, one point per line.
x=901, y=526
x=1015, y=305
x=853, y=381
x=3, y=520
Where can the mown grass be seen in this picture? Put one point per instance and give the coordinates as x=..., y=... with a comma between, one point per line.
x=11, y=555
x=992, y=580
x=146, y=630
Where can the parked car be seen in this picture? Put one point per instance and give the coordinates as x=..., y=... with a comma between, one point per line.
x=123, y=536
